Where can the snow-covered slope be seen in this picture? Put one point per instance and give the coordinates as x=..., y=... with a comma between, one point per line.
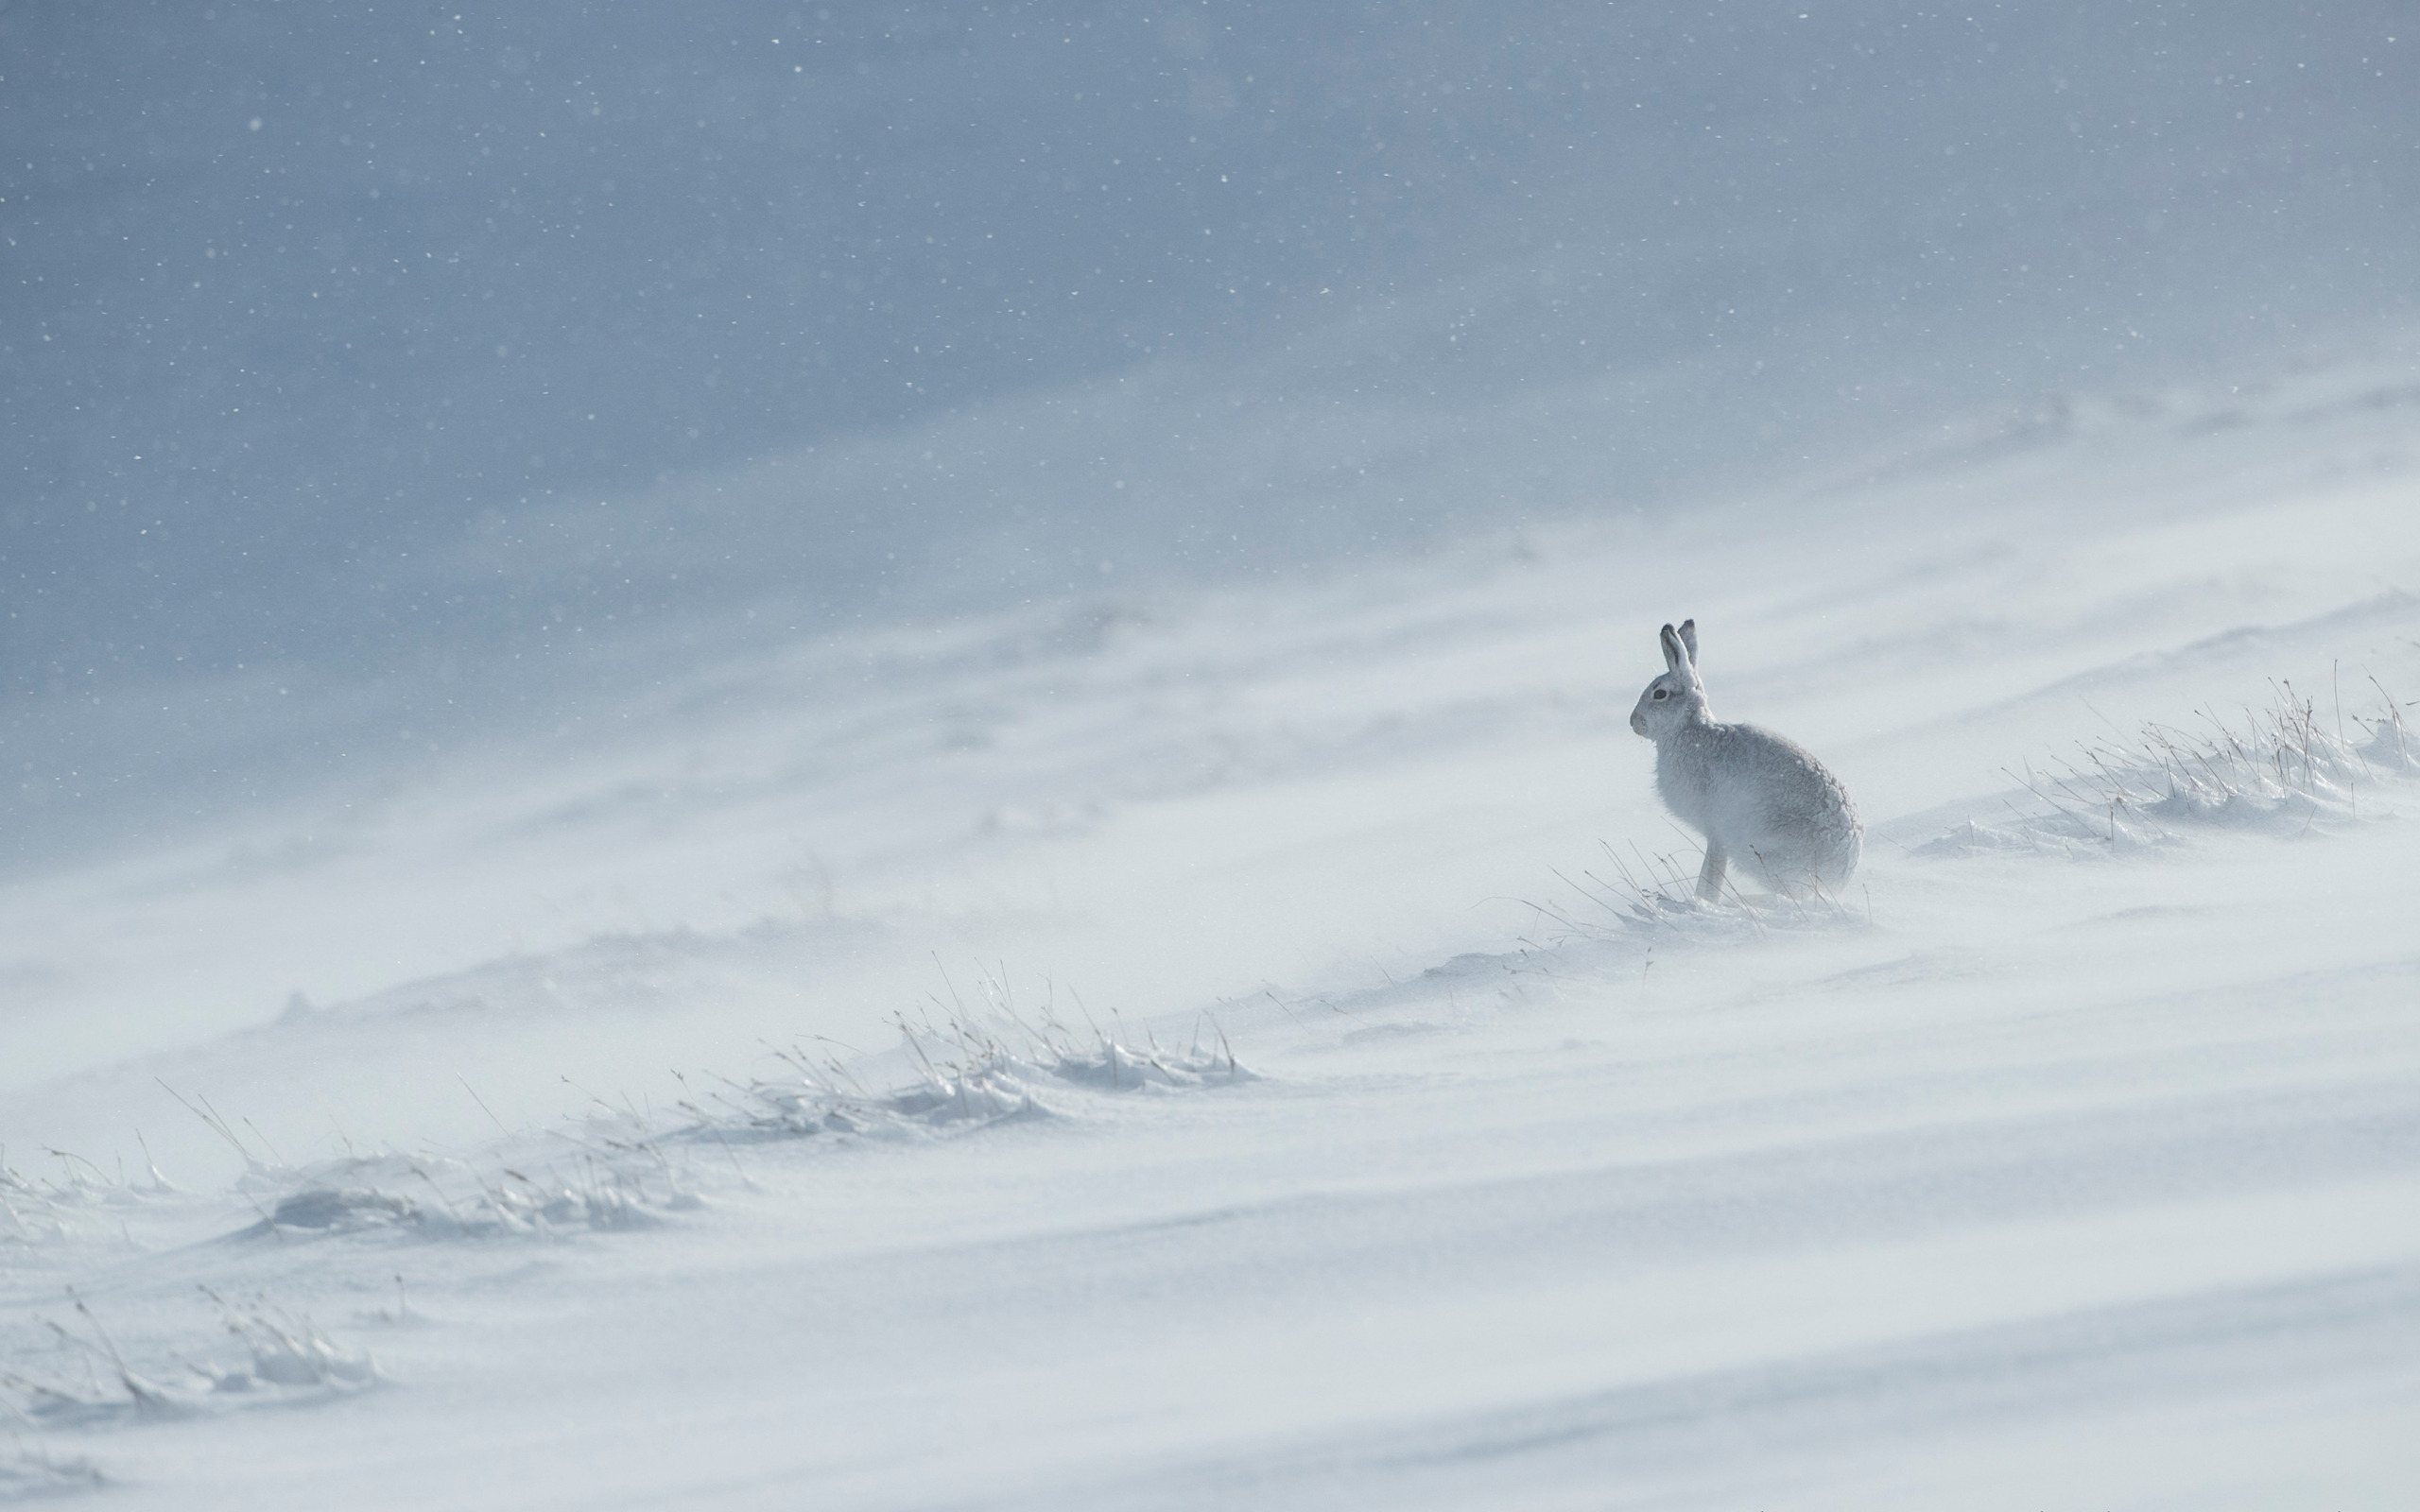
x=1228, y=1047
x=366, y=366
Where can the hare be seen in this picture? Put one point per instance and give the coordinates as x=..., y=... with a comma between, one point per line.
x=1757, y=799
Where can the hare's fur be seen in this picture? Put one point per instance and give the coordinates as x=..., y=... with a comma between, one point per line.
x=1760, y=801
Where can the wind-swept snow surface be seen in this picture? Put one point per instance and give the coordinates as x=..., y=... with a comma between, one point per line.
x=1236, y=1047
x=874, y=757
x=373, y=375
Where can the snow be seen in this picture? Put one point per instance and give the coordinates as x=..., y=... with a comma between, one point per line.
x=1225, y=1045
x=879, y=760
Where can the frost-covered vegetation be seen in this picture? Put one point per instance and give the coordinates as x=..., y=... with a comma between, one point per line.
x=2281, y=769
x=574, y=576
x=85, y=1380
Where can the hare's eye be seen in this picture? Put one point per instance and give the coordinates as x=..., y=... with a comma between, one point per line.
x=1663, y=693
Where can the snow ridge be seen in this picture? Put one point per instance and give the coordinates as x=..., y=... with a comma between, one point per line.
x=966, y=1070
x=2280, y=770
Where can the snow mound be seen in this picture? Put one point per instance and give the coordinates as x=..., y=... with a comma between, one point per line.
x=286, y=1353
x=333, y=1208
x=275, y=1357
x=620, y=1179
x=962, y=1073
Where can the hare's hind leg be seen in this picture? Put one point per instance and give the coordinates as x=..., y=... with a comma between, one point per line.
x=1710, y=875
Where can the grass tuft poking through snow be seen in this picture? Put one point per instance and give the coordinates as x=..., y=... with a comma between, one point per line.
x=617, y=1168
x=1643, y=899
x=2282, y=770
x=82, y=1203
x=969, y=1068
x=95, y=1385
x=619, y=1179
x=284, y=1358
x=286, y=1352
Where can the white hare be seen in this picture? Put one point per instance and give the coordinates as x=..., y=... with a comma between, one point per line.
x=1758, y=799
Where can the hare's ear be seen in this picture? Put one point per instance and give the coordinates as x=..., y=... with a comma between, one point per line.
x=1675, y=658
x=1690, y=638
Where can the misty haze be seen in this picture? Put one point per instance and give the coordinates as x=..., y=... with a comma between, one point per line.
x=882, y=756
